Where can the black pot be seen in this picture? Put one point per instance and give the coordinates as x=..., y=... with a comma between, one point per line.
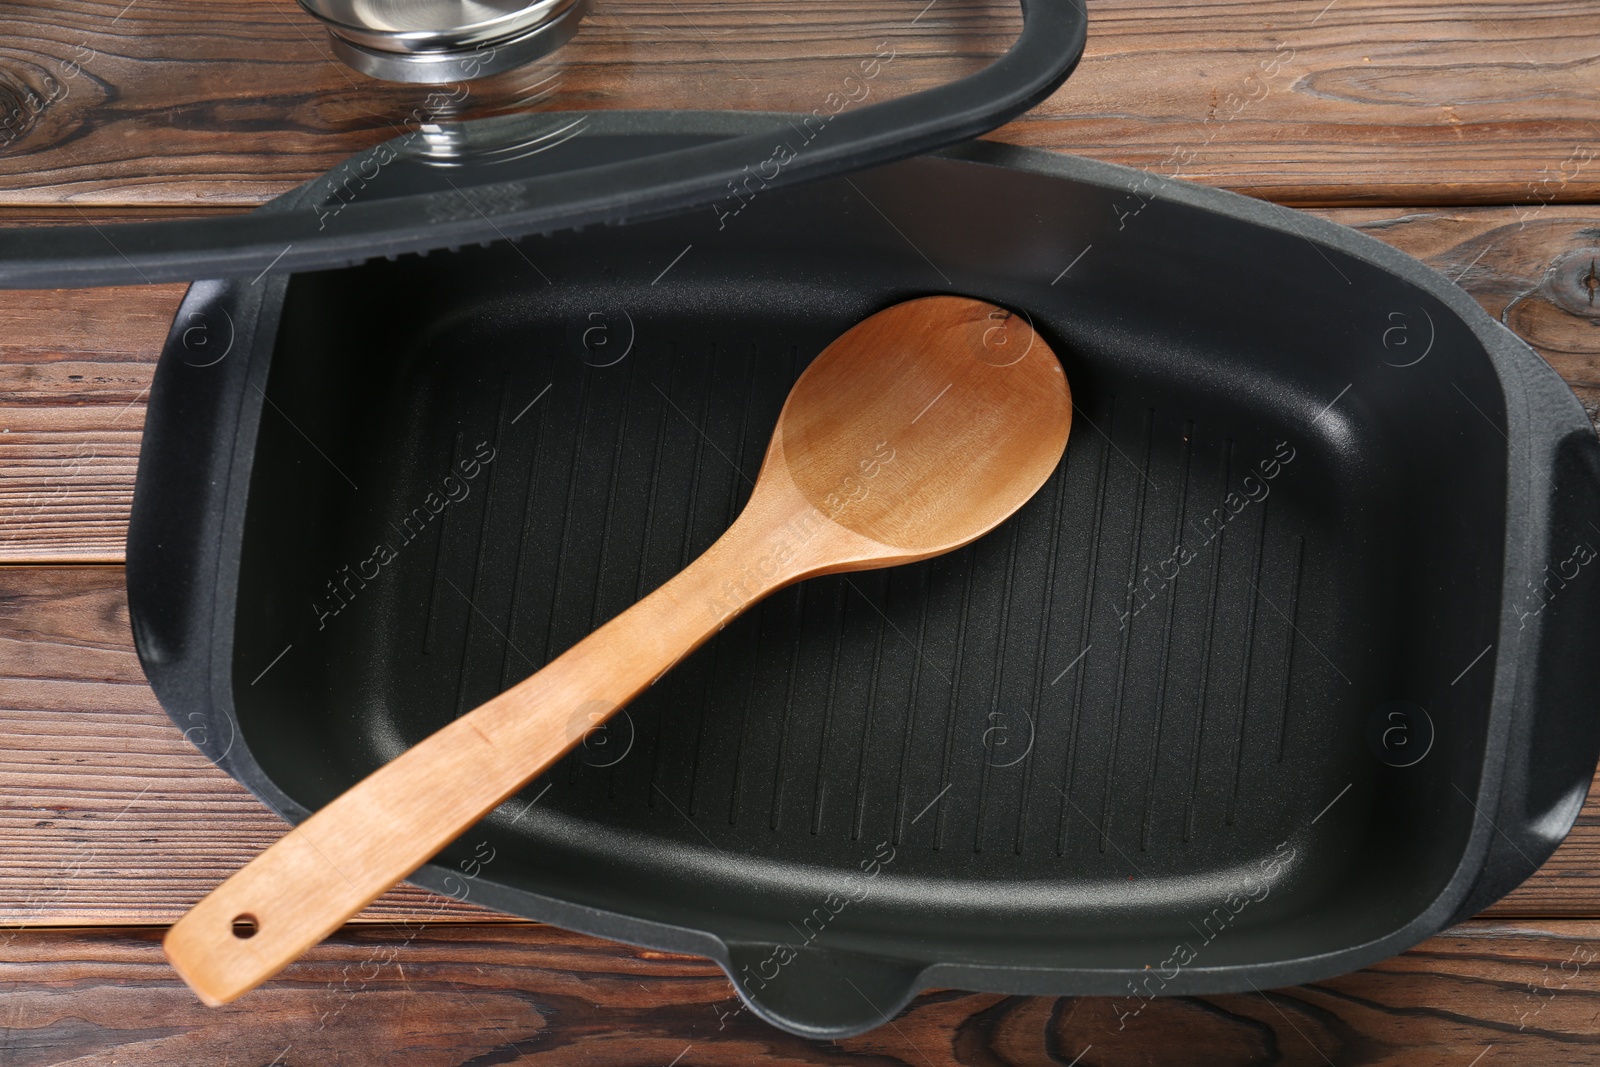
x=1289, y=668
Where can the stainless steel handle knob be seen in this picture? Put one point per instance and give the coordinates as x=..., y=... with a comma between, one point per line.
x=437, y=41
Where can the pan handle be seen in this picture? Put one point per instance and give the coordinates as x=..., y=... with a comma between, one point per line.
x=821, y=992
x=1551, y=629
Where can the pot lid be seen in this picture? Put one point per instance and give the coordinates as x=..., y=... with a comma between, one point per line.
x=498, y=147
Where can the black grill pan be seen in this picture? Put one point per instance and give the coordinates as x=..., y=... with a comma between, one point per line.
x=1287, y=668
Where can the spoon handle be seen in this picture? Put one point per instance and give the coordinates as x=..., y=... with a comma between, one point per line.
x=350, y=852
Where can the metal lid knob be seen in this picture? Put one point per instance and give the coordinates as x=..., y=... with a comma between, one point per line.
x=437, y=41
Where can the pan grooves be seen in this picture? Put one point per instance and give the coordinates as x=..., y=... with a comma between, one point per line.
x=841, y=709
x=1160, y=701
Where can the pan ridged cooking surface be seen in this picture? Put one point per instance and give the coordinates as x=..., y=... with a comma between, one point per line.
x=1000, y=685
x=846, y=705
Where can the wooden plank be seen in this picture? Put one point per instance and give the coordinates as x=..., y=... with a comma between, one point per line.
x=1482, y=994
x=74, y=366
x=230, y=102
x=74, y=370
x=1350, y=102
x=108, y=816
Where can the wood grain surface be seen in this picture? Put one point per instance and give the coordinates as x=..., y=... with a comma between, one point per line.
x=432, y=996
x=1397, y=118
x=73, y=378
x=184, y=102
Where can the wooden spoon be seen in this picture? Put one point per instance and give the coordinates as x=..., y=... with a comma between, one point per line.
x=919, y=430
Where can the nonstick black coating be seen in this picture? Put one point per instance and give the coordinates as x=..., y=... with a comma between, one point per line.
x=1159, y=719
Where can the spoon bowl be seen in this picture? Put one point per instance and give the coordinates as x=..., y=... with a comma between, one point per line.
x=926, y=425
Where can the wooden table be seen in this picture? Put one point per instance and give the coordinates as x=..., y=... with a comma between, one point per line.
x=1465, y=133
